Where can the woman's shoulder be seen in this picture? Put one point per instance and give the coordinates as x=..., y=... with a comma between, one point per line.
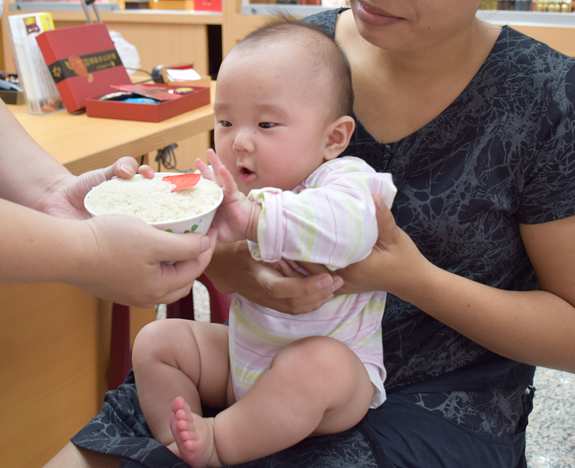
x=325, y=20
x=523, y=72
x=517, y=51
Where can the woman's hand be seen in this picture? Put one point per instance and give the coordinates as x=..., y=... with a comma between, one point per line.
x=394, y=264
x=125, y=260
x=66, y=199
x=267, y=284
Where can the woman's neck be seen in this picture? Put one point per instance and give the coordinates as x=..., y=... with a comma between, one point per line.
x=463, y=53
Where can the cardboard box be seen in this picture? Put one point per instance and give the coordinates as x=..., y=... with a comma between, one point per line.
x=149, y=112
x=205, y=81
x=83, y=62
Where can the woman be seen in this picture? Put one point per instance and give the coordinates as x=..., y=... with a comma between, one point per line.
x=476, y=124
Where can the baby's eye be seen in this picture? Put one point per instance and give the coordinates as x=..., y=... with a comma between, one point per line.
x=225, y=123
x=267, y=124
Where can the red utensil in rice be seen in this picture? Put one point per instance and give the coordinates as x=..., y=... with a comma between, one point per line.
x=182, y=181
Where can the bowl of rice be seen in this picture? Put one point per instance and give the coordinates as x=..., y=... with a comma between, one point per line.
x=152, y=201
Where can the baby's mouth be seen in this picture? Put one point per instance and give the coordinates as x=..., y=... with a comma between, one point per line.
x=245, y=175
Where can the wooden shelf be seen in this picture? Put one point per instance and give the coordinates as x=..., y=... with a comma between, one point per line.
x=528, y=18
x=145, y=16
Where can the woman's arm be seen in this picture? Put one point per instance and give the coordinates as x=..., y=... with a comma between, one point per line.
x=535, y=327
x=31, y=177
x=27, y=172
x=115, y=257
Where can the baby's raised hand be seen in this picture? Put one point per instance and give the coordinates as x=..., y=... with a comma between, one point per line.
x=205, y=170
x=237, y=217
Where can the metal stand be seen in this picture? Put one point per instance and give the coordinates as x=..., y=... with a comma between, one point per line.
x=85, y=4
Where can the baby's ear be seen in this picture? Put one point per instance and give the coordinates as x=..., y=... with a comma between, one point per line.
x=338, y=135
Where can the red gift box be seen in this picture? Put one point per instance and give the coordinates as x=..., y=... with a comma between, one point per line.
x=83, y=62
x=149, y=112
x=209, y=5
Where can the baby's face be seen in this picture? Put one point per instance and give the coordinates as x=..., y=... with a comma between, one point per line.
x=269, y=129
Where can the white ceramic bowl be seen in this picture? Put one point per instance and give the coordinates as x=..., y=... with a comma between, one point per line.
x=199, y=223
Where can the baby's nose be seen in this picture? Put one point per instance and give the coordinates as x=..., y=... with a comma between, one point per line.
x=243, y=142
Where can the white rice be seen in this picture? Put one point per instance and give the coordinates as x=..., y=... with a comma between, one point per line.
x=151, y=200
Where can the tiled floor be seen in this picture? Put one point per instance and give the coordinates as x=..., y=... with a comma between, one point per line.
x=551, y=430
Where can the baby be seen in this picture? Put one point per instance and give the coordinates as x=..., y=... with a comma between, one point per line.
x=282, y=110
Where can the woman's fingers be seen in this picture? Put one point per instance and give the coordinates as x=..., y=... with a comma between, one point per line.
x=314, y=268
x=124, y=167
x=296, y=296
x=286, y=269
x=146, y=171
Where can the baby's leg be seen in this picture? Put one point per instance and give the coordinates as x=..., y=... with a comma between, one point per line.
x=315, y=386
x=173, y=358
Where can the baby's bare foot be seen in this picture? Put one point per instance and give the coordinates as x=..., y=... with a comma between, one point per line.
x=194, y=436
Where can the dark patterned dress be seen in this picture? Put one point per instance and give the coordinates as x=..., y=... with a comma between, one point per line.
x=503, y=153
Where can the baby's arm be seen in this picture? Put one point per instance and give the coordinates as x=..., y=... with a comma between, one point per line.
x=237, y=217
x=330, y=220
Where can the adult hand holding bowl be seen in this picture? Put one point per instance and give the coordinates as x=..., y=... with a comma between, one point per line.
x=156, y=202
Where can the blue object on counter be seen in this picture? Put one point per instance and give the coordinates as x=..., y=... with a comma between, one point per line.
x=141, y=100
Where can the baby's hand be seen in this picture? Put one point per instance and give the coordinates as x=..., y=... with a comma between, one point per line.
x=206, y=170
x=237, y=217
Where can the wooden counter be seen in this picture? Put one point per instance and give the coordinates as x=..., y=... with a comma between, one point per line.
x=54, y=352
x=161, y=36
x=85, y=143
